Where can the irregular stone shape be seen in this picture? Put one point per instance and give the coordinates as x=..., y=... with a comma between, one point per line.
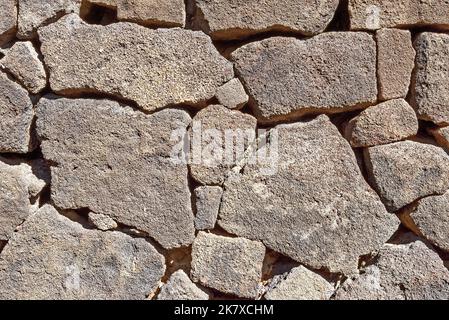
x=117, y=162
x=410, y=271
x=441, y=136
x=18, y=185
x=287, y=77
x=180, y=287
x=8, y=20
x=219, y=138
x=207, y=204
x=102, y=221
x=232, y=95
x=431, y=77
x=36, y=13
x=16, y=116
x=314, y=206
x=23, y=63
x=387, y=122
x=395, y=62
x=407, y=171
x=53, y=257
x=300, y=284
x=233, y=19
x=376, y=14
x=154, y=68
x=230, y=265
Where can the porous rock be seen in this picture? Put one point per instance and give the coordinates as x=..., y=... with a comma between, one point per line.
x=180, y=287
x=102, y=221
x=232, y=94
x=208, y=200
x=8, y=20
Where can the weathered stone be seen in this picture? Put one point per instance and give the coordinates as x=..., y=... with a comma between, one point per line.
x=230, y=265
x=395, y=62
x=18, y=186
x=8, y=20
x=154, y=68
x=223, y=136
x=441, y=136
x=180, y=287
x=300, y=284
x=410, y=271
x=53, y=257
x=117, y=162
x=232, y=95
x=314, y=207
x=36, y=13
x=16, y=116
x=102, y=221
x=232, y=19
x=387, y=122
x=23, y=63
x=431, y=77
x=376, y=14
x=407, y=171
x=287, y=77
x=207, y=205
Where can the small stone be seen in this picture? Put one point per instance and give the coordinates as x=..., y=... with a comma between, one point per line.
x=301, y=284
x=441, y=136
x=387, y=122
x=411, y=271
x=8, y=20
x=233, y=19
x=52, y=257
x=153, y=68
x=395, y=62
x=36, y=13
x=230, y=265
x=23, y=63
x=287, y=77
x=207, y=205
x=16, y=116
x=407, y=171
x=232, y=94
x=225, y=135
x=102, y=221
x=431, y=78
x=180, y=287
x=377, y=14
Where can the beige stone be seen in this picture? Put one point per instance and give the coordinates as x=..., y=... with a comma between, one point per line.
x=441, y=136
x=232, y=95
x=208, y=201
x=180, y=287
x=8, y=20
x=102, y=221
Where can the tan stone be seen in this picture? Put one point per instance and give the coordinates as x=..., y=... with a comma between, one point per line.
x=180, y=287
x=102, y=221
x=232, y=95
x=441, y=135
x=8, y=20
x=208, y=201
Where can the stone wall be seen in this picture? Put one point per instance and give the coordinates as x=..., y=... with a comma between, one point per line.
x=209, y=149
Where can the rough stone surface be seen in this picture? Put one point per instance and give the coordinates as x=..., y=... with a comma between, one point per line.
x=102, y=221
x=154, y=68
x=407, y=171
x=232, y=19
x=376, y=14
x=410, y=271
x=219, y=128
x=301, y=284
x=16, y=115
x=395, y=62
x=208, y=201
x=441, y=135
x=36, y=13
x=315, y=208
x=232, y=95
x=230, y=265
x=54, y=258
x=23, y=63
x=8, y=20
x=332, y=72
x=387, y=122
x=180, y=287
x=117, y=162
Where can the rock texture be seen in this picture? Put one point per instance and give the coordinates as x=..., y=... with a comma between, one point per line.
x=387, y=122
x=316, y=209
x=153, y=68
x=8, y=20
x=208, y=201
x=441, y=135
x=180, y=287
x=102, y=221
x=329, y=73
x=116, y=162
x=232, y=94
x=82, y=264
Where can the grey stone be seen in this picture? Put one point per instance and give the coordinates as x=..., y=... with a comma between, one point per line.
x=117, y=162
x=407, y=171
x=287, y=78
x=232, y=94
x=207, y=205
x=102, y=221
x=180, y=287
x=8, y=20
x=52, y=257
x=230, y=265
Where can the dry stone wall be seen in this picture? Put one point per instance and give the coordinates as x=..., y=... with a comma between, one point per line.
x=209, y=149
